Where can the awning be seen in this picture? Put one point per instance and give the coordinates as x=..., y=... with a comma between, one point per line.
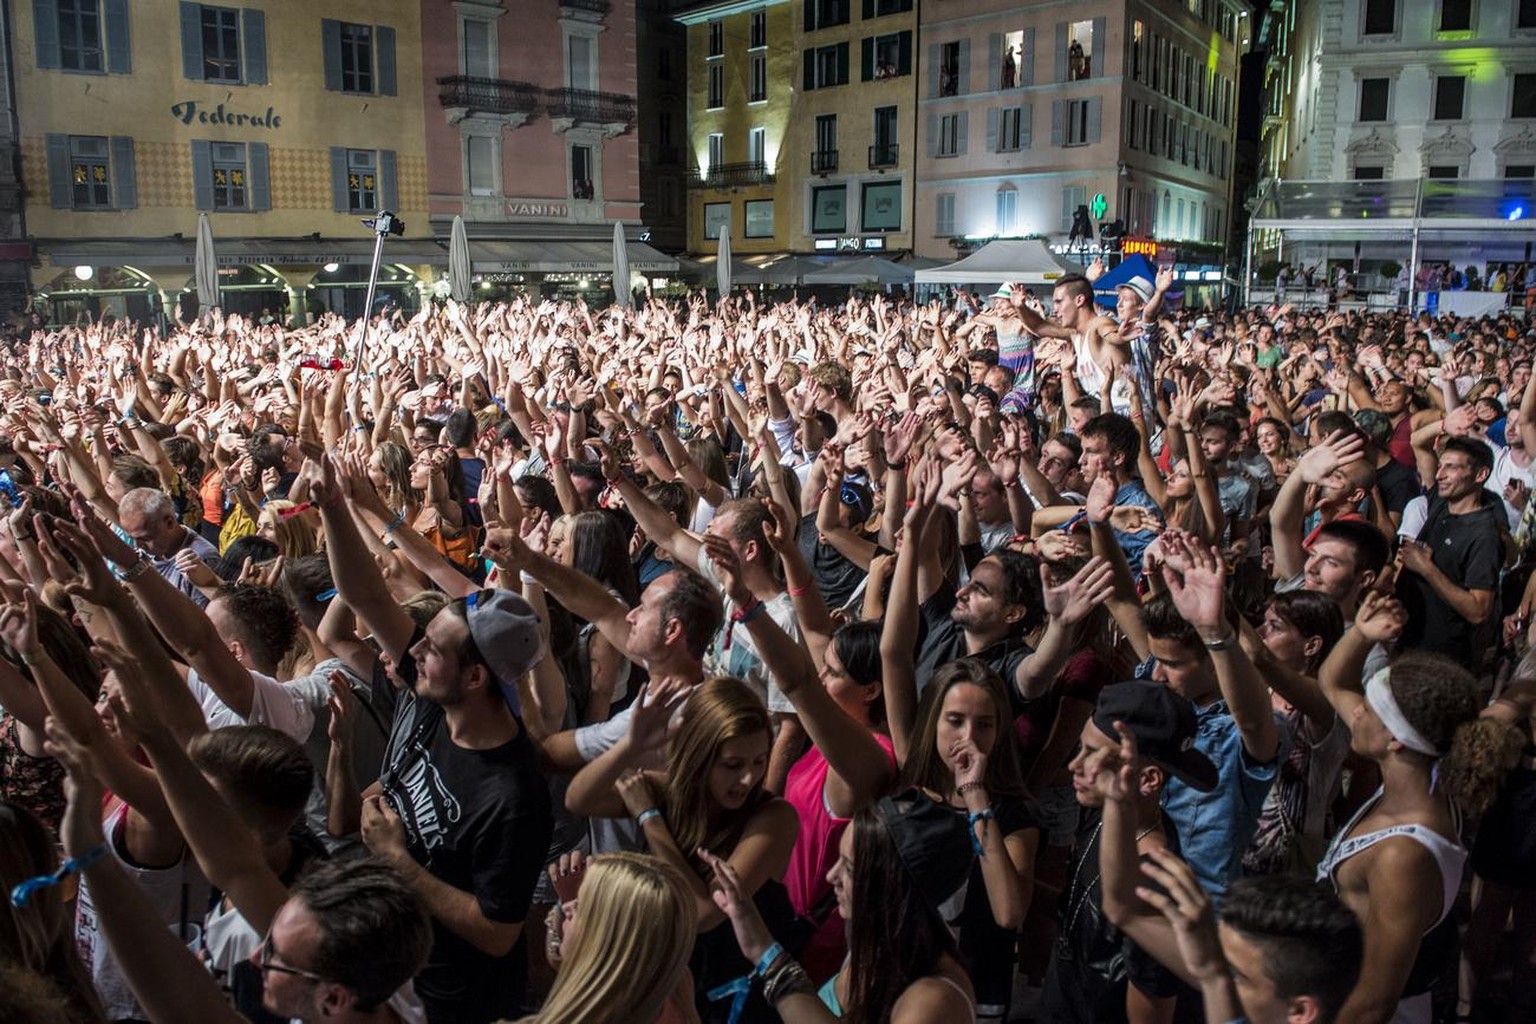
x=1387, y=209
x=1026, y=261
x=234, y=252
x=508, y=256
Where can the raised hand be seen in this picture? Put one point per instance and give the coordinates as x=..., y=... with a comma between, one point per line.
x=652, y=714
x=899, y=437
x=1380, y=618
x=970, y=762
x=1070, y=602
x=1100, y=503
x=1340, y=450
x=1179, y=897
x=342, y=704
x=752, y=933
x=1198, y=589
x=635, y=789
x=1114, y=768
x=728, y=567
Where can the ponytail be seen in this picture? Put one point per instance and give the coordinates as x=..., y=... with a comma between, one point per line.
x=1483, y=751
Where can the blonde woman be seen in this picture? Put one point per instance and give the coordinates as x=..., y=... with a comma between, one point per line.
x=295, y=529
x=624, y=947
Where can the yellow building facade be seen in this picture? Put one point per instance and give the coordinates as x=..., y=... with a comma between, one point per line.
x=288, y=125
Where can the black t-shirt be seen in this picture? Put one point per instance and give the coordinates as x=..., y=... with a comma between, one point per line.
x=1399, y=485
x=940, y=640
x=479, y=820
x=836, y=576
x=1092, y=961
x=986, y=948
x=1466, y=548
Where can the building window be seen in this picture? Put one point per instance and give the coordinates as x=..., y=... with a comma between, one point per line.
x=759, y=218
x=1520, y=170
x=1450, y=93
x=717, y=218
x=949, y=135
x=90, y=172
x=716, y=152
x=759, y=91
x=888, y=56
x=664, y=127
x=1525, y=14
x=664, y=63
x=716, y=39
x=880, y=8
x=1007, y=211
x=716, y=87
x=1370, y=172
x=825, y=13
x=479, y=60
x=1079, y=51
x=824, y=158
x=944, y=214
x=480, y=161
x=882, y=206
x=356, y=58
x=80, y=35
x=583, y=178
x=1136, y=33
x=221, y=45
x=230, y=185
x=884, y=151
x=1443, y=171
x=1455, y=15
x=1523, y=99
x=362, y=181
x=580, y=62
x=1373, y=98
x=1380, y=17
x=1077, y=123
x=757, y=147
x=829, y=209
x=361, y=58
x=1010, y=129
x=949, y=69
x=757, y=38
x=826, y=66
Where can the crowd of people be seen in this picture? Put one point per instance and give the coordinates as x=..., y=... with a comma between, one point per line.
x=989, y=659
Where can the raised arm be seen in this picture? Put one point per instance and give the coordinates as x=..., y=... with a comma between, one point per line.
x=649, y=516
x=1066, y=605
x=581, y=595
x=1288, y=514
x=899, y=675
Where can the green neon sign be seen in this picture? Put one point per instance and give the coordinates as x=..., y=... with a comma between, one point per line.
x=1100, y=206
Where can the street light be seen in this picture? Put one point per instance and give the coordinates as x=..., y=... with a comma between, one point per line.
x=84, y=272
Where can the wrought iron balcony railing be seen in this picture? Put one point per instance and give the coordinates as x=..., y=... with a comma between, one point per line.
x=492, y=95
x=733, y=176
x=591, y=107
x=888, y=155
x=823, y=161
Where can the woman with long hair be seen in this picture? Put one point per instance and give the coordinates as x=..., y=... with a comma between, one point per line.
x=1419, y=721
x=902, y=965
x=1273, y=439
x=38, y=960
x=624, y=946
x=389, y=469
x=295, y=530
x=709, y=799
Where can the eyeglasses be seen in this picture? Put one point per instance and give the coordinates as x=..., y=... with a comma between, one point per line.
x=267, y=961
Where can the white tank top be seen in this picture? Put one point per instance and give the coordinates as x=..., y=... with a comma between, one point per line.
x=1450, y=857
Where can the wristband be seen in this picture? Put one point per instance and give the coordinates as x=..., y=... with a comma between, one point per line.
x=1222, y=643
x=749, y=612
x=799, y=591
x=75, y=865
x=985, y=814
x=395, y=523
x=896, y=467
x=765, y=961
x=527, y=577
x=646, y=815
x=969, y=786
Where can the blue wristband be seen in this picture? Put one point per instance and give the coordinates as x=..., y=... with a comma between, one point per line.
x=765, y=961
x=985, y=814
x=646, y=815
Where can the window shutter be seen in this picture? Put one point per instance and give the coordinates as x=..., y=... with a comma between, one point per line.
x=810, y=15
x=1026, y=113
x=253, y=27
x=61, y=192
x=119, y=56
x=389, y=181
x=192, y=55
x=1027, y=59
x=45, y=33
x=261, y=175
x=1095, y=106
x=810, y=63
x=842, y=63
x=384, y=54
x=1058, y=113
x=1096, y=69
x=867, y=58
x=1068, y=208
x=330, y=46
x=904, y=54
x=994, y=61
x=869, y=8
x=125, y=178
x=339, y=196
x=934, y=60
x=960, y=140
x=1061, y=52
x=964, y=74
x=933, y=135
x=202, y=174
x=992, y=114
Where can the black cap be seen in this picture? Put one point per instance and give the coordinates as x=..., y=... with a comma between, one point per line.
x=1164, y=726
x=931, y=841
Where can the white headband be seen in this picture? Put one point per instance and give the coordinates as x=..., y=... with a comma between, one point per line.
x=1378, y=694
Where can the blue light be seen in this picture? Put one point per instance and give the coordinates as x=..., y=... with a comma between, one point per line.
x=1516, y=213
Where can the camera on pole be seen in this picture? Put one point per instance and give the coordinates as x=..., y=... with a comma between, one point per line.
x=384, y=224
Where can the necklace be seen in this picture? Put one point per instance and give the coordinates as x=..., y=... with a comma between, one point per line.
x=1077, y=907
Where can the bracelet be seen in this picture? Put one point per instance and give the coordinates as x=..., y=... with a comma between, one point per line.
x=985, y=814
x=799, y=591
x=137, y=569
x=750, y=612
x=788, y=980
x=1221, y=643
x=969, y=787
x=896, y=467
x=395, y=523
x=527, y=577
x=646, y=815
x=765, y=961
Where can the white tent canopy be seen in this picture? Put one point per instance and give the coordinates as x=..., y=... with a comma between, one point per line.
x=1026, y=261
x=861, y=269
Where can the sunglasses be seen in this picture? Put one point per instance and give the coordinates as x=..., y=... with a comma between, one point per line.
x=267, y=961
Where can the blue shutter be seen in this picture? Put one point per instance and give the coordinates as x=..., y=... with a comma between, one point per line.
x=45, y=33
x=61, y=191
x=339, y=179
x=202, y=174
x=119, y=56
x=933, y=135
x=125, y=179
x=963, y=67
x=192, y=43
x=384, y=54
x=962, y=144
x=994, y=61
x=1026, y=117
x=330, y=45
x=253, y=29
x=1095, y=114
x=992, y=116
x=934, y=61
x=261, y=176
x=1027, y=59
x=1100, y=32
x=1061, y=52
x=389, y=182
x=1058, y=128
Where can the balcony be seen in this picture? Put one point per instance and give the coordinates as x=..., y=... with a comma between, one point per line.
x=568, y=108
x=824, y=161
x=597, y=7
x=887, y=155
x=733, y=176
x=463, y=97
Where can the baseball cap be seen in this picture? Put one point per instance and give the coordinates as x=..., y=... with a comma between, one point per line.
x=931, y=841
x=1164, y=726
x=1140, y=285
x=1376, y=424
x=506, y=632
